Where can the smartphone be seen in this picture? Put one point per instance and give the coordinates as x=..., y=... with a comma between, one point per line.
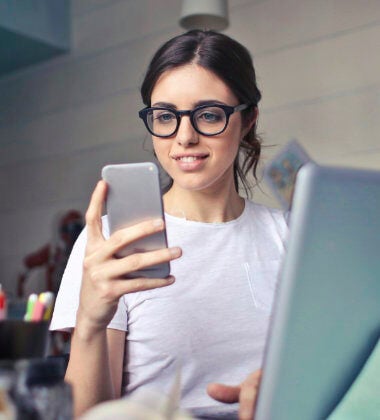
x=134, y=195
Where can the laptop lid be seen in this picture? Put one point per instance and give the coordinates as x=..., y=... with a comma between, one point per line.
x=326, y=318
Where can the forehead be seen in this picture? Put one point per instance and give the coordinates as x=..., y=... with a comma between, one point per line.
x=189, y=84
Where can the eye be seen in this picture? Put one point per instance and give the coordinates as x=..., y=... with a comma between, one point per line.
x=210, y=115
x=164, y=117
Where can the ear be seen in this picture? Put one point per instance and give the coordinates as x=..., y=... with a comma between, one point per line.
x=250, y=120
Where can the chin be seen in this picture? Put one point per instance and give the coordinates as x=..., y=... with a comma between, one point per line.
x=201, y=185
x=194, y=181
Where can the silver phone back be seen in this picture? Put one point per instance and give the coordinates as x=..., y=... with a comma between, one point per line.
x=134, y=196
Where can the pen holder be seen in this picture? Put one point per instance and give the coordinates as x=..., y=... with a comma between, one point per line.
x=23, y=340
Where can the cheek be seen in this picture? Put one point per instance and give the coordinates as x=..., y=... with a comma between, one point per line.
x=225, y=152
x=162, y=150
x=158, y=146
x=232, y=139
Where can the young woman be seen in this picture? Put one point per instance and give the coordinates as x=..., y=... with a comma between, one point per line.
x=210, y=317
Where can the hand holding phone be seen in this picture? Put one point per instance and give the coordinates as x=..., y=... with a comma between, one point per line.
x=103, y=279
x=134, y=195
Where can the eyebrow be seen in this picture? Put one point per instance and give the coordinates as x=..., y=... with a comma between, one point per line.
x=198, y=103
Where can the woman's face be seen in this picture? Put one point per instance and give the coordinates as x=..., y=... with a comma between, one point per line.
x=194, y=161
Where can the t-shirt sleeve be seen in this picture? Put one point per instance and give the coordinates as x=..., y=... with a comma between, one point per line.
x=275, y=221
x=282, y=221
x=67, y=300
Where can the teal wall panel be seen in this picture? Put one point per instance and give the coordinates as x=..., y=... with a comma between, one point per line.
x=32, y=31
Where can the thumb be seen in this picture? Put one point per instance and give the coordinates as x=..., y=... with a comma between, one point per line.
x=224, y=393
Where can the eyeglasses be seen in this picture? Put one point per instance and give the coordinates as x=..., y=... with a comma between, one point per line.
x=208, y=120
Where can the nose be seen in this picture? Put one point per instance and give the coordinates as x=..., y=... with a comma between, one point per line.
x=186, y=134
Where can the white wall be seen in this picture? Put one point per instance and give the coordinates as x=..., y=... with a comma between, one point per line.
x=318, y=68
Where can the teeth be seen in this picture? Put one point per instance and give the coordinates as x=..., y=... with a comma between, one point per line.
x=188, y=158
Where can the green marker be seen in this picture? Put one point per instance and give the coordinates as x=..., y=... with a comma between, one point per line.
x=32, y=299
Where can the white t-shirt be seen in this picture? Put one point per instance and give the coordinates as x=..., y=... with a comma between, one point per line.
x=212, y=322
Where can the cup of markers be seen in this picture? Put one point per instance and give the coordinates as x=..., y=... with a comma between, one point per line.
x=29, y=337
x=39, y=307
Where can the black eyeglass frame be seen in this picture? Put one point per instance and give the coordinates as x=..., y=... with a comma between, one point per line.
x=228, y=110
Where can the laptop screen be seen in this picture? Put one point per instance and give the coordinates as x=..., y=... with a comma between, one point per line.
x=326, y=317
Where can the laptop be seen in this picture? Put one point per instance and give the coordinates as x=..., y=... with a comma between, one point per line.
x=326, y=318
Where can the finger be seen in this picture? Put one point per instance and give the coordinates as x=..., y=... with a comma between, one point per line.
x=123, y=237
x=248, y=396
x=122, y=287
x=94, y=213
x=224, y=393
x=117, y=268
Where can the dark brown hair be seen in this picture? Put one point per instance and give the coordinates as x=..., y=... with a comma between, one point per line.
x=232, y=63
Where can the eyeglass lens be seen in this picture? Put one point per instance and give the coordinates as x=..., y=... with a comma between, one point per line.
x=208, y=120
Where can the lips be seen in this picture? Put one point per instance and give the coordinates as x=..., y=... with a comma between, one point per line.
x=190, y=162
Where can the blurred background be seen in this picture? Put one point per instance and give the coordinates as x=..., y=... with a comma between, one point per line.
x=71, y=105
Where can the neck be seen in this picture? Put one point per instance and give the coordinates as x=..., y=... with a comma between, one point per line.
x=204, y=206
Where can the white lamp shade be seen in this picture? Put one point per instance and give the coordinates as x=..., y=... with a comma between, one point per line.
x=204, y=14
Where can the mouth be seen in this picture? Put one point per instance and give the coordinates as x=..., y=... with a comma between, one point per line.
x=189, y=158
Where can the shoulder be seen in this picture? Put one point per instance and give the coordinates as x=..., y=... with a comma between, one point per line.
x=267, y=217
x=67, y=300
x=260, y=210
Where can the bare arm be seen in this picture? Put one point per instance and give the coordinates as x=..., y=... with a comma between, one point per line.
x=95, y=367
x=96, y=356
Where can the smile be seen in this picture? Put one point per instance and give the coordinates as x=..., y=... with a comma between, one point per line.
x=189, y=159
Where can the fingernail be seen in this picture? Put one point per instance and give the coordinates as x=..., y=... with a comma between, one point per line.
x=170, y=279
x=158, y=223
x=175, y=252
